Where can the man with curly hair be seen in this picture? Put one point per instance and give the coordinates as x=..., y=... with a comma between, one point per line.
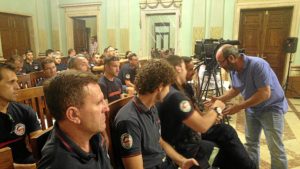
x=136, y=128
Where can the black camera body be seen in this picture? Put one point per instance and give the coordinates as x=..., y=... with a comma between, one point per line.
x=205, y=50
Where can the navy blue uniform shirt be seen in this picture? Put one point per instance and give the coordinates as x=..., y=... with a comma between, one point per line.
x=60, y=152
x=19, y=121
x=111, y=90
x=127, y=73
x=136, y=130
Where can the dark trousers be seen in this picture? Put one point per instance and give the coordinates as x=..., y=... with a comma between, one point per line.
x=232, y=154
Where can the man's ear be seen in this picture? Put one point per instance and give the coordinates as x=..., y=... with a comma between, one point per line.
x=73, y=115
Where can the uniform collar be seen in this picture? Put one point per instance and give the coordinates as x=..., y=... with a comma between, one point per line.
x=74, y=148
x=140, y=106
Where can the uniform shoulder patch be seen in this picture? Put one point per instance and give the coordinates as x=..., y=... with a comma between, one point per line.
x=127, y=76
x=19, y=129
x=185, y=106
x=126, y=141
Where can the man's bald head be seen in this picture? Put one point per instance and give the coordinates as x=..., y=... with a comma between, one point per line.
x=225, y=51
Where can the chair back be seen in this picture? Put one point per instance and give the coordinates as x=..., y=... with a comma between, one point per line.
x=38, y=141
x=114, y=107
x=6, y=158
x=24, y=81
x=36, y=77
x=34, y=97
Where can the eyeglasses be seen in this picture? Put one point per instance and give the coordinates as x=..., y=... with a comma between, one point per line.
x=222, y=62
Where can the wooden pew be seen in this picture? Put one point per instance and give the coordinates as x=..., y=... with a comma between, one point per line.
x=24, y=81
x=38, y=141
x=114, y=107
x=6, y=161
x=36, y=77
x=34, y=97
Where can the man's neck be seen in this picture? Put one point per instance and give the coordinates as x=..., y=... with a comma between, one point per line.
x=3, y=106
x=80, y=137
x=148, y=100
x=179, y=81
x=109, y=77
x=29, y=61
x=240, y=64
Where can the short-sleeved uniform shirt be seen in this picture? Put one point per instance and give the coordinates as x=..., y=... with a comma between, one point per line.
x=136, y=131
x=61, y=152
x=174, y=109
x=18, y=122
x=111, y=90
x=35, y=66
x=257, y=73
x=127, y=73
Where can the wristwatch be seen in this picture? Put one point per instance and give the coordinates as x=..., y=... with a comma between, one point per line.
x=218, y=110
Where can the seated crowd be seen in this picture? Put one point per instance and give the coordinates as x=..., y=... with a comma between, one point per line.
x=161, y=127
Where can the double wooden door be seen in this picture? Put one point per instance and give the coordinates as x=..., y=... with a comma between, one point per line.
x=14, y=34
x=262, y=33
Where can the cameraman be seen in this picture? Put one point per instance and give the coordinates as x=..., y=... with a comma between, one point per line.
x=264, y=102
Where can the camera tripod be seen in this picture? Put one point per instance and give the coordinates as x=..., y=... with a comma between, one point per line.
x=209, y=83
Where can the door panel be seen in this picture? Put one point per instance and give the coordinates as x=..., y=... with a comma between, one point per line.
x=80, y=35
x=263, y=32
x=14, y=34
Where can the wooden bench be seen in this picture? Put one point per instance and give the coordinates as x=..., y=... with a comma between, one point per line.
x=34, y=97
x=24, y=81
x=38, y=141
x=36, y=77
x=114, y=107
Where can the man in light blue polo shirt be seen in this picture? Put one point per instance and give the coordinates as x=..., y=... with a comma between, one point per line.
x=264, y=102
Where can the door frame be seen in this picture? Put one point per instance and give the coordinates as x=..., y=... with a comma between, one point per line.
x=144, y=15
x=81, y=10
x=295, y=21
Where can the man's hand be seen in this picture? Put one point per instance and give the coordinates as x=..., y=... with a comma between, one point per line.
x=231, y=109
x=209, y=103
x=188, y=163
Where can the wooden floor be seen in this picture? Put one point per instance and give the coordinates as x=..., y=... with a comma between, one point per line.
x=291, y=135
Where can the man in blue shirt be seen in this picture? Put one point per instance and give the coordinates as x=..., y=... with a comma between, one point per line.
x=264, y=102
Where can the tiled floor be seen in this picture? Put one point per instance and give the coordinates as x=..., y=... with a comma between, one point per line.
x=291, y=135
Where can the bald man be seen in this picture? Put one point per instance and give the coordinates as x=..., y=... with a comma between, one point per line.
x=264, y=102
x=79, y=63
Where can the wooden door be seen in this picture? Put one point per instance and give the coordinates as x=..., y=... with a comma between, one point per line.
x=14, y=34
x=80, y=35
x=263, y=32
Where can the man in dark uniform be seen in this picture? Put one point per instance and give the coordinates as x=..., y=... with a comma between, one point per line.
x=136, y=129
x=177, y=112
x=128, y=70
x=30, y=65
x=111, y=86
x=17, y=120
x=76, y=102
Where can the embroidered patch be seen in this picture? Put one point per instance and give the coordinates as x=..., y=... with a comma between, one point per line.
x=185, y=106
x=19, y=129
x=127, y=76
x=126, y=141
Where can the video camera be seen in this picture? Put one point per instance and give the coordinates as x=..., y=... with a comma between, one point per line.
x=205, y=50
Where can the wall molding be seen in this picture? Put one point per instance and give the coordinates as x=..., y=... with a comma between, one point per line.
x=145, y=13
x=80, y=10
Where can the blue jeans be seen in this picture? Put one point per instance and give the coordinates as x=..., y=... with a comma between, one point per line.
x=272, y=123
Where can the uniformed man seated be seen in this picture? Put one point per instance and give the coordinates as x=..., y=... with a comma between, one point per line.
x=111, y=86
x=128, y=70
x=17, y=121
x=181, y=122
x=49, y=70
x=136, y=128
x=76, y=102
